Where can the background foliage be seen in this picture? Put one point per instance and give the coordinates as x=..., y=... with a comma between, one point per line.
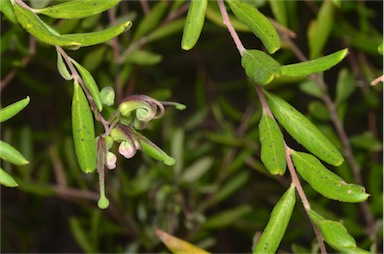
x=218, y=194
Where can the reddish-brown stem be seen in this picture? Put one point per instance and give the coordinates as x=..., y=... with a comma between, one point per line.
x=145, y=6
x=231, y=30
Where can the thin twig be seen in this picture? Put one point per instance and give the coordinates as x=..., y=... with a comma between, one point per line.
x=231, y=30
x=145, y=6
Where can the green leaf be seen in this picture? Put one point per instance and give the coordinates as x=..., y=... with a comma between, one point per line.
x=7, y=10
x=77, y=9
x=279, y=11
x=151, y=20
x=193, y=24
x=380, y=49
x=303, y=131
x=259, y=66
x=91, y=85
x=6, y=179
x=196, y=170
x=314, y=66
x=258, y=23
x=80, y=234
x=366, y=141
x=11, y=110
x=9, y=153
x=325, y=181
x=94, y=38
x=143, y=57
x=335, y=234
x=272, y=145
x=320, y=29
x=166, y=30
x=83, y=130
x=35, y=26
x=277, y=224
x=42, y=31
x=62, y=68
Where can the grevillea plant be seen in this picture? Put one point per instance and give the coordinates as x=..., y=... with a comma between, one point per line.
x=276, y=154
x=121, y=124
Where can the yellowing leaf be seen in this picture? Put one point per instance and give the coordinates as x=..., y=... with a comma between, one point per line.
x=178, y=246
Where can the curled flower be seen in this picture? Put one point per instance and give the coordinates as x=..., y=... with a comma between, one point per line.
x=146, y=107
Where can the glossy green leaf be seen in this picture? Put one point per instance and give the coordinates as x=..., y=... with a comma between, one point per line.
x=91, y=85
x=9, y=153
x=6, y=179
x=35, y=26
x=194, y=23
x=272, y=145
x=11, y=110
x=62, y=68
x=7, y=10
x=258, y=23
x=77, y=9
x=335, y=234
x=143, y=57
x=314, y=66
x=192, y=173
x=151, y=20
x=325, y=181
x=94, y=38
x=303, y=131
x=178, y=246
x=259, y=66
x=320, y=29
x=42, y=31
x=274, y=231
x=279, y=11
x=83, y=130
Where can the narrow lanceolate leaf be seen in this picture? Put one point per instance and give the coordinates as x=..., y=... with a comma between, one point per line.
x=303, y=131
x=62, y=68
x=314, y=66
x=259, y=66
x=325, y=181
x=6, y=179
x=193, y=24
x=83, y=130
x=320, y=29
x=93, y=38
x=7, y=9
x=335, y=234
x=272, y=145
x=11, y=110
x=178, y=246
x=277, y=224
x=77, y=9
x=90, y=83
x=9, y=153
x=279, y=10
x=258, y=24
x=40, y=30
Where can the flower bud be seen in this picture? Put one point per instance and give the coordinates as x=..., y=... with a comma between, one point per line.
x=110, y=161
x=127, y=149
x=107, y=95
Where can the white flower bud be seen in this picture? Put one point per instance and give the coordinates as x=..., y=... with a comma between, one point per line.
x=127, y=149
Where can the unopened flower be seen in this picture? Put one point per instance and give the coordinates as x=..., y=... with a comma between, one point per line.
x=127, y=149
x=110, y=161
